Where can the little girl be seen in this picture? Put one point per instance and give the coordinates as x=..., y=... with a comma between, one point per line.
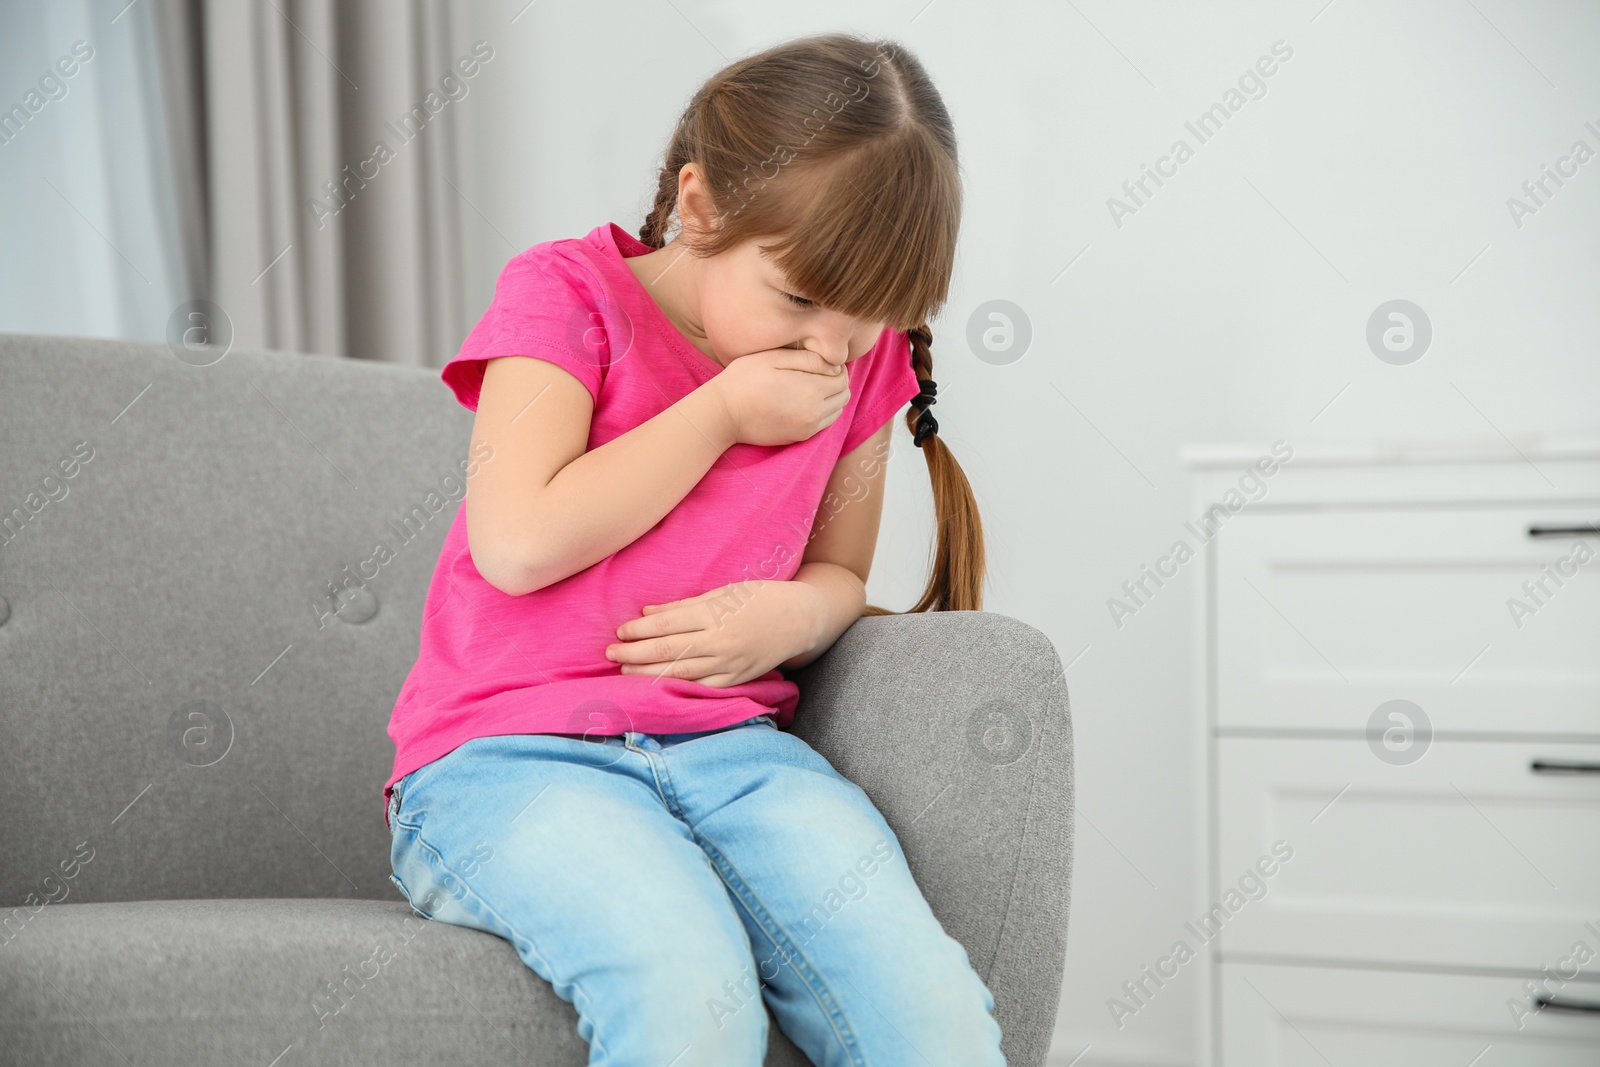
x=592, y=760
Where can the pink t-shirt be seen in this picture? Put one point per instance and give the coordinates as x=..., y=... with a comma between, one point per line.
x=490, y=663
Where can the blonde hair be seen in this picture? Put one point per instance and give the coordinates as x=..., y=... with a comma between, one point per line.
x=841, y=149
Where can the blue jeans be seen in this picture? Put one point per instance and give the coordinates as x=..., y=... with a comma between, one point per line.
x=666, y=884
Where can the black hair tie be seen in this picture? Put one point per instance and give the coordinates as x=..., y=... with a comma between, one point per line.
x=927, y=425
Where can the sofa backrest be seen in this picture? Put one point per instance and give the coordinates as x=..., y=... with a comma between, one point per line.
x=212, y=581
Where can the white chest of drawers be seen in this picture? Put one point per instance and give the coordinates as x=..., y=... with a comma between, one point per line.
x=1398, y=669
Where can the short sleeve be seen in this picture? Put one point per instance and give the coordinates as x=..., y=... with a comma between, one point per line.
x=889, y=383
x=545, y=305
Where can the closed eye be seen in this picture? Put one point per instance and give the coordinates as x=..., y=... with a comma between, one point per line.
x=799, y=301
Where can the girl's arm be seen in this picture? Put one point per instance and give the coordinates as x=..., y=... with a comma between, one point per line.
x=844, y=537
x=841, y=597
x=541, y=508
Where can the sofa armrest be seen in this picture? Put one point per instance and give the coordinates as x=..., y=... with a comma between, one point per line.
x=957, y=725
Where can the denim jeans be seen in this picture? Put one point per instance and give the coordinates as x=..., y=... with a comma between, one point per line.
x=667, y=884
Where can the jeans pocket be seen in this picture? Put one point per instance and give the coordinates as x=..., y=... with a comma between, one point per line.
x=394, y=804
x=399, y=846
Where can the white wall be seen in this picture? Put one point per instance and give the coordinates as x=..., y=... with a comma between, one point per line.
x=1232, y=306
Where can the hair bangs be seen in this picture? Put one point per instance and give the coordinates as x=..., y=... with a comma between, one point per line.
x=857, y=234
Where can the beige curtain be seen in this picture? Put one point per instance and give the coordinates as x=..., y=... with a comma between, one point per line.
x=317, y=156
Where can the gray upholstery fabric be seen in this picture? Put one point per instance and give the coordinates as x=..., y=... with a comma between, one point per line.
x=193, y=746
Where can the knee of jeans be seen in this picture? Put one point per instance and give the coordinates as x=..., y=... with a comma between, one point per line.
x=954, y=1009
x=700, y=1012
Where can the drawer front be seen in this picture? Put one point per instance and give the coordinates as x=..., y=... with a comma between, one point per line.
x=1315, y=1016
x=1324, y=616
x=1465, y=857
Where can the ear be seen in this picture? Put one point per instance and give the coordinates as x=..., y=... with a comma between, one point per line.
x=695, y=208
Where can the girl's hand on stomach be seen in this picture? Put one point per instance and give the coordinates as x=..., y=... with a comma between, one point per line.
x=723, y=637
x=781, y=395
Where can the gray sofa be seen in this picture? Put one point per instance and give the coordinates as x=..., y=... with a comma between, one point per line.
x=194, y=867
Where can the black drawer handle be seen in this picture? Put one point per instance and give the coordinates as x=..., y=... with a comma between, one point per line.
x=1561, y=766
x=1581, y=1007
x=1564, y=531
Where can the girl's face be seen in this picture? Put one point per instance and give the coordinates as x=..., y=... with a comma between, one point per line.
x=746, y=305
x=738, y=302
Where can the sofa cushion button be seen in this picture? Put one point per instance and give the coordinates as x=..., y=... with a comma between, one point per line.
x=358, y=606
